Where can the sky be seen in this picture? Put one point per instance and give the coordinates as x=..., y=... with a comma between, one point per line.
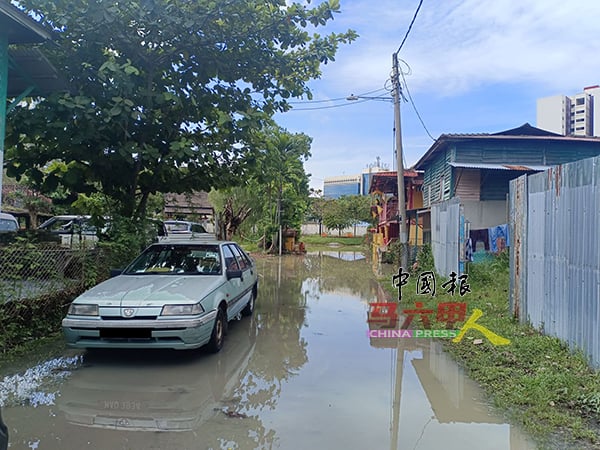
x=470, y=66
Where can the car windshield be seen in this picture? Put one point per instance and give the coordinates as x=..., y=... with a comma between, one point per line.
x=7, y=225
x=177, y=259
x=69, y=225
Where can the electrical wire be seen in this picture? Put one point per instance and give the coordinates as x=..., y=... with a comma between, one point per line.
x=329, y=107
x=422, y=433
x=413, y=104
x=345, y=99
x=334, y=99
x=409, y=27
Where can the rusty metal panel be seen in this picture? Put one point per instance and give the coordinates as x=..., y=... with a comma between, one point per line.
x=518, y=231
x=562, y=254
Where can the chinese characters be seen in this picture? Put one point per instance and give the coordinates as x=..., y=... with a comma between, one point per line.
x=450, y=313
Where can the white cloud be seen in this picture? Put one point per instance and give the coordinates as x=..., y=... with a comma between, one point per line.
x=477, y=66
x=456, y=46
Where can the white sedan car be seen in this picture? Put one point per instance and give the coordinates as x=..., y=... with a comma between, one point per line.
x=179, y=294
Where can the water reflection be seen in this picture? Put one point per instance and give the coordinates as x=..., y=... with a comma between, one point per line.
x=156, y=391
x=343, y=255
x=301, y=373
x=431, y=393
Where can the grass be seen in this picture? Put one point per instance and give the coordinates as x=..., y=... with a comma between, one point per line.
x=312, y=242
x=24, y=355
x=535, y=380
x=325, y=240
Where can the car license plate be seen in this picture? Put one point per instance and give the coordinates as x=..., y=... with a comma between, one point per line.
x=125, y=333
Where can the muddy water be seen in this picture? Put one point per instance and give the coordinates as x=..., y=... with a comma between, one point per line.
x=302, y=373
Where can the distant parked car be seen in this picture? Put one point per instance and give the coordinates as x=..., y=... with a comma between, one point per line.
x=8, y=223
x=178, y=294
x=185, y=230
x=74, y=231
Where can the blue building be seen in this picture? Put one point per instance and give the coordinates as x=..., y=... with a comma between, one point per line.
x=336, y=187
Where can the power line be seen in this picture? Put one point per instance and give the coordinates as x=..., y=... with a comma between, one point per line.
x=329, y=107
x=410, y=27
x=402, y=72
x=307, y=102
x=415, y=106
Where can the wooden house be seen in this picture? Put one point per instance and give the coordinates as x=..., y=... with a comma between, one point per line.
x=194, y=206
x=477, y=168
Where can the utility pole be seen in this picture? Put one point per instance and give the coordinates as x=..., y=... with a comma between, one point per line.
x=399, y=165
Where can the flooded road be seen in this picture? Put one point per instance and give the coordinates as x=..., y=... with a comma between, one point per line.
x=302, y=373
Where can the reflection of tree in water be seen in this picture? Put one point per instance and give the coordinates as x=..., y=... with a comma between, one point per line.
x=335, y=274
x=280, y=350
x=279, y=353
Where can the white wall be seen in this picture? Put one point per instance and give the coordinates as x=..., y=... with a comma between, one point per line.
x=485, y=214
x=313, y=228
x=551, y=114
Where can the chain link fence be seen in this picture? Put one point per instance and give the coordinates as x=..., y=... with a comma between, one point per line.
x=37, y=283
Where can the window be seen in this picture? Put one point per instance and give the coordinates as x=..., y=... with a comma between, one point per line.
x=176, y=259
x=8, y=225
x=242, y=258
x=230, y=261
x=197, y=228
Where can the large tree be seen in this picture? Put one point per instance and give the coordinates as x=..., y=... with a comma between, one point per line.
x=164, y=95
x=358, y=208
x=348, y=210
x=275, y=192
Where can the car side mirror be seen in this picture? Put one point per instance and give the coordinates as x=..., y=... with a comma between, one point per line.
x=115, y=272
x=233, y=274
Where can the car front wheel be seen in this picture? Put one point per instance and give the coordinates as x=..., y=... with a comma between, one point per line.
x=218, y=333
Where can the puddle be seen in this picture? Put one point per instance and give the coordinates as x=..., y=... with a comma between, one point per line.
x=301, y=373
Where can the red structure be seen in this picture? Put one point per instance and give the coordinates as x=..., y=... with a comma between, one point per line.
x=384, y=192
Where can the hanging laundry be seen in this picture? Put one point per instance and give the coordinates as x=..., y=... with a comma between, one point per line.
x=499, y=238
x=469, y=250
x=480, y=236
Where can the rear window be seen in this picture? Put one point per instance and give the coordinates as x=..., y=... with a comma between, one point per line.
x=184, y=227
x=177, y=227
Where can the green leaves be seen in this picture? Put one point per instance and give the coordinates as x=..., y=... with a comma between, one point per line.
x=173, y=95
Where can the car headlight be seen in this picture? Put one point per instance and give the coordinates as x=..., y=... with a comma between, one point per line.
x=182, y=310
x=83, y=310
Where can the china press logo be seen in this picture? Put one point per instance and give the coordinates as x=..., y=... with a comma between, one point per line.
x=450, y=313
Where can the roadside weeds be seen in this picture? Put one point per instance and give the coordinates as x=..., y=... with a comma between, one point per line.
x=536, y=380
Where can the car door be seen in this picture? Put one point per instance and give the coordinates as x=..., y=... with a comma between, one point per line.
x=248, y=275
x=234, y=286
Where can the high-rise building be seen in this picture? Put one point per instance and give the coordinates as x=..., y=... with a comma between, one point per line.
x=336, y=187
x=577, y=115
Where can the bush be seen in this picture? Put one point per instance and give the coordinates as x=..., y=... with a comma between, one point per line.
x=125, y=239
x=35, y=318
x=425, y=259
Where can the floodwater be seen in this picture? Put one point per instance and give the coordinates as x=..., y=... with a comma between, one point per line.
x=302, y=373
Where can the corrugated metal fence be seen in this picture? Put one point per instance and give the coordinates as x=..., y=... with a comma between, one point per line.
x=555, y=256
x=445, y=236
